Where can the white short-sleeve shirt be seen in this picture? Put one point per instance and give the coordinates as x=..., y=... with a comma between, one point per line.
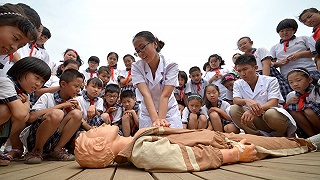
x=222, y=89
x=312, y=98
x=192, y=88
x=166, y=74
x=260, y=54
x=88, y=74
x=186, y=113
x=45, y=101
x=7, y=88
x=298, y=44
x=86, y=104
x=266, y=88
x=225, y=106
x=114, y=80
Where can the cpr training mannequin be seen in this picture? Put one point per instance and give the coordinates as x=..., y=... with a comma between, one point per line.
x=163, y=149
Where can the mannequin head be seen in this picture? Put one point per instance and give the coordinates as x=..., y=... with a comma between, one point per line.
x=94, y=148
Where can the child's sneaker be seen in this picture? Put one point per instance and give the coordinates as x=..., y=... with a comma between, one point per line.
x=315, y=141
x=61, y=155
x=33, y=157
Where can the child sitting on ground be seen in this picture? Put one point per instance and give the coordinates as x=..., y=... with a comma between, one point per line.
x=192, y=115
x=180, y=91
x=24, y=77
x=130, y=119
x=92, y=105
x=111, y=105
x=54, y=119
x=125, y=78
x=304, y=102
x=217, y=109
x=227, y=81
x=104, y=73
x=197, y=83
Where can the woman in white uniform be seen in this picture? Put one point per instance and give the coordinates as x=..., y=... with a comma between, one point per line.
x=155, y=77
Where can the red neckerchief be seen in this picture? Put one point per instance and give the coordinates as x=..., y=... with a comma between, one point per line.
x=91, y=74
x=19, y=91
x=32, y=48
x=91, y=102
x=112, y=72
x=285, y=44
x=10, y=57
x=198, y=87
x=302, y=101
x=127, y=79
x=316, y=34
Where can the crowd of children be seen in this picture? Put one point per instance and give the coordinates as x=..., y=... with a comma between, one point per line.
x=44, y=106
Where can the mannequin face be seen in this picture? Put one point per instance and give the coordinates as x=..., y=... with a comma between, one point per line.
x=102, y=130
x=95, y=148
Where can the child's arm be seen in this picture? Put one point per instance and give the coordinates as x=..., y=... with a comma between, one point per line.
x=19, y=109
x=215, y=77
x=46, y=90
x=85, y=125
x=91, y=111
x=266, y=64
x=222, y=113
x=43, y=101
x=135, y=117
x=293, y=100
x=302, y=54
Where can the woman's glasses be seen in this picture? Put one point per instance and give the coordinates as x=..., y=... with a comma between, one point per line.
x=141, y=49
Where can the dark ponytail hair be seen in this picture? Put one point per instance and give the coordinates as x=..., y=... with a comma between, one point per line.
x=219, y=58
x=150, y=38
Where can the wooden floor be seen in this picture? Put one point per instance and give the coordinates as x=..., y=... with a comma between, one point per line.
x=302, y=167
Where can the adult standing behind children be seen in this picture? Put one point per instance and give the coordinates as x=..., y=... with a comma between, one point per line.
x=256, y=101
x=155, y=76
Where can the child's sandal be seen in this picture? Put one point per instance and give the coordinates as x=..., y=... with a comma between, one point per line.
x=61, y=155
x=17, y=153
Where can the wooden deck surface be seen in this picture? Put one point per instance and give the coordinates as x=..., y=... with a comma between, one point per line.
x=302, y=167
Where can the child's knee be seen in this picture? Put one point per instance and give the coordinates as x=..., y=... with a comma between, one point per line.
x=214, y=116
x=193, y=117
x=310, y=112
x=5, y=113
x=56, y=115
x=76, y=114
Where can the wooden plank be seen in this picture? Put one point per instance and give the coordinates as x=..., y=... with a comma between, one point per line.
x=286, y=167
x=96, y=174
x=174, y=176
x=220, y=174
x=268, y=173
x=130, y=172
x=19, y=165
x=34, y=170
x=63, y=172
x=294, y=161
